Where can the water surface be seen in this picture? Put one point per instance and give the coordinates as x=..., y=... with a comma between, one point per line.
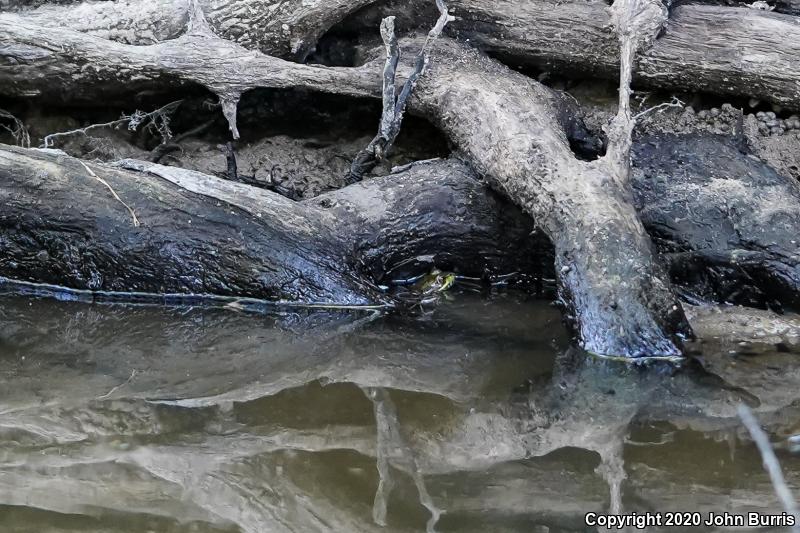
x=476, y=417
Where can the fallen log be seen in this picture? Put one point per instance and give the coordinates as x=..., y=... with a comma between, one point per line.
x=61, y=224
x=690, y=216
x=717, y=49
x=72, y=67
x=287, y=29
x=736, y=51
x=690, y=220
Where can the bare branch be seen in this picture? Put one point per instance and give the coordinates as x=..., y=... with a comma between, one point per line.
x=675, y=102
x=771, y=464
x=158, y=119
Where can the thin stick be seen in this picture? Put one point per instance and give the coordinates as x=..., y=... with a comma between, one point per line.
x=676, y=102
x=138, y=117
x=771, y=464
x=115, y=389
x=113, y=192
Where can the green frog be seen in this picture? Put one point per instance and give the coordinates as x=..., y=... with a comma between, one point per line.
x=432, y=285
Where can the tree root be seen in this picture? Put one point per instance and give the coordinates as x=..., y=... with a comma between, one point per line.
x=394, y=105
x=157, y=120
x=17, y=129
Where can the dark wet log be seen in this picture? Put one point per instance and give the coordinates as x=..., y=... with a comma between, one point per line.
x=61, y=224
x=728, y=222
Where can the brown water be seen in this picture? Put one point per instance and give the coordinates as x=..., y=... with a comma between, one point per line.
x=475, y=418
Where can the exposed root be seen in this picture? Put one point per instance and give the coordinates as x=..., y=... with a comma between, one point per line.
x=230, y=103
x=675, y=102
x=394, y=106
x=136, y=223
x=17, y=130
x=157, y=120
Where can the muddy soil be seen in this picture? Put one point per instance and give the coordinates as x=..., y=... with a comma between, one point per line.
x=770, y=133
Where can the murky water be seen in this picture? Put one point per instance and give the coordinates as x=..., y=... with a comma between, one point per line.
x=475, y=418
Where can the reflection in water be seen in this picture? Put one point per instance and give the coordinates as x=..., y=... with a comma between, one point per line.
x=476, y=418
x=392, y=444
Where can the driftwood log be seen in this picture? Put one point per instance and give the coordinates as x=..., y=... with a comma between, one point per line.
x=509, y=129
x=201, y=235
x=726, y=50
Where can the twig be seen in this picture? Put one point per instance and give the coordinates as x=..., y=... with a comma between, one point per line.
x=115, y=389
x=394, y=106
x=20, y=132
x=113, y=192
x=771, y=464
x=676, y=102
x=134, y=121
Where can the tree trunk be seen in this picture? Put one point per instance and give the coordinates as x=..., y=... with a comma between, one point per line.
x=282, y=28
x=617, y=297
x=703, y=47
